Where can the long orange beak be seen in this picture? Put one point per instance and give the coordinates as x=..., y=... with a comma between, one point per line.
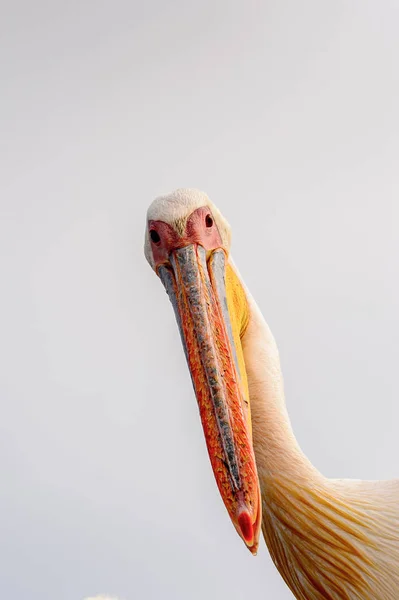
x=203, y=306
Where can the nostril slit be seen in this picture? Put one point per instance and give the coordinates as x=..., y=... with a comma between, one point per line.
x=208, y=221
x=154, y=235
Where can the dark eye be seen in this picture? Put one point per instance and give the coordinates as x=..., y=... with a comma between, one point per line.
x=208, y=221
x=154, y=236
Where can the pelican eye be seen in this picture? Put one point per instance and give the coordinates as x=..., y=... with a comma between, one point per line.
x=154, y=235
x=208, y=221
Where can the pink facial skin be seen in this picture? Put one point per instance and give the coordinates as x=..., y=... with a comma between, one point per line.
x=200, y=229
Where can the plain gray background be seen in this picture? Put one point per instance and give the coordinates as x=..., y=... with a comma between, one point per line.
x=286, y=114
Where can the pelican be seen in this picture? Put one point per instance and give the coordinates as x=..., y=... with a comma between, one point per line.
x=328, y=538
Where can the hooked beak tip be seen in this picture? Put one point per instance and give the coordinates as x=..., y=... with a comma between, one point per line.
x=247, y=529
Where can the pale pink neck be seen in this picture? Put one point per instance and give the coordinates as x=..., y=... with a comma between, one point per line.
x=276, y=449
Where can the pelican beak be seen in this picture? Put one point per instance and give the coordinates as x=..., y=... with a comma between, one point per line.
x=210, y=307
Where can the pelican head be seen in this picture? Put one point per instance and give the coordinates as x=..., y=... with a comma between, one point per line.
x=187, y=243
